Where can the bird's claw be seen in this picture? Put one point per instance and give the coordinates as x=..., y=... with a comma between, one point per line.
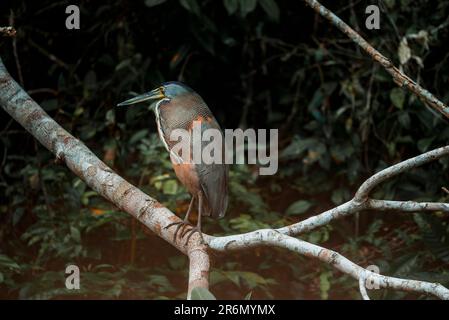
x=183, y=225
x=180, y=225
x=190, y=234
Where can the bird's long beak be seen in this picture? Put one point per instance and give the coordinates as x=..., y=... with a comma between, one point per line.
x=155, y=94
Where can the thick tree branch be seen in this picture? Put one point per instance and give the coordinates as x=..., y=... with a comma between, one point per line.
x=199, y=267
x=274, y=238
x=362, y=288
x=401, y=79
x=406, y=206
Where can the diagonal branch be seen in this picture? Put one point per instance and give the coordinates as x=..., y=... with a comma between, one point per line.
x=336, y=260
x=401, y=79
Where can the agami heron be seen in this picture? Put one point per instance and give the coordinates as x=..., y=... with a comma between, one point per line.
x=177, y=106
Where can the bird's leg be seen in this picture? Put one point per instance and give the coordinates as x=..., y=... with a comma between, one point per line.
x=198, y=225
x=183, y=223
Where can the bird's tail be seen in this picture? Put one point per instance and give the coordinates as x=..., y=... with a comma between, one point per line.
x=215, y=205
x=215, y=191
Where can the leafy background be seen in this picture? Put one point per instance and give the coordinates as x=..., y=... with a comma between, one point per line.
x=259, y=64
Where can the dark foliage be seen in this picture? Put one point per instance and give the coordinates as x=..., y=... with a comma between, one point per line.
x=259, y=64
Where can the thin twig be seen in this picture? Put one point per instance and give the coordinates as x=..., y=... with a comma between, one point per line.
x=49, y=55
x=334, y=259
x=362, y=288
x=14, y=51
x=399, y=168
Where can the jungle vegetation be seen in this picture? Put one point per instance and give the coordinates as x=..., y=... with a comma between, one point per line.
x=258, y=64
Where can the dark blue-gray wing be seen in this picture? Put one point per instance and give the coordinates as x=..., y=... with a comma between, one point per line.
x=214, y=180
x=214, y=183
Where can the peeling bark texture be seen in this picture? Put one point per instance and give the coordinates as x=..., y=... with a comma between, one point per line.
x=156, y=217
x=401, y=79
x=199, y=266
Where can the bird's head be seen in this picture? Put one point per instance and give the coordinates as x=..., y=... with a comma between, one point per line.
x=167, y=91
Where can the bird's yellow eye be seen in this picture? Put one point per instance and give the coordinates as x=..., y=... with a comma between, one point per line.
x=162, y=91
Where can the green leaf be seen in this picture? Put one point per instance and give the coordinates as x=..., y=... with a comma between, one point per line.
x=6, y=262
x=340, y=195
x=434, y=235
x=78, y=111
x=177, y=262
x=50, y=104
x=248, y=295
x=88, y=132
x=75, y=233
x=139, y=135
x=397, y=97
x=314, y=105
x=110, y=117
x=160, y=281
x=404, y=51
x=404, y=120
x=424, y=144
x=86, y=195
x=123, y=64
x=231, y=6
x=390, y=3
x=201, y=294
x=342, y=152
x=170, y=187
x=245, y=223
x=325, y=285
x=116, y=290
x=271, y=8
x=247, y=6
x=90, y=80
x=191, y=5
x=298, y=207
x=153, y=3
x=233, y=276
x=17, y=215
x=406, y=264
